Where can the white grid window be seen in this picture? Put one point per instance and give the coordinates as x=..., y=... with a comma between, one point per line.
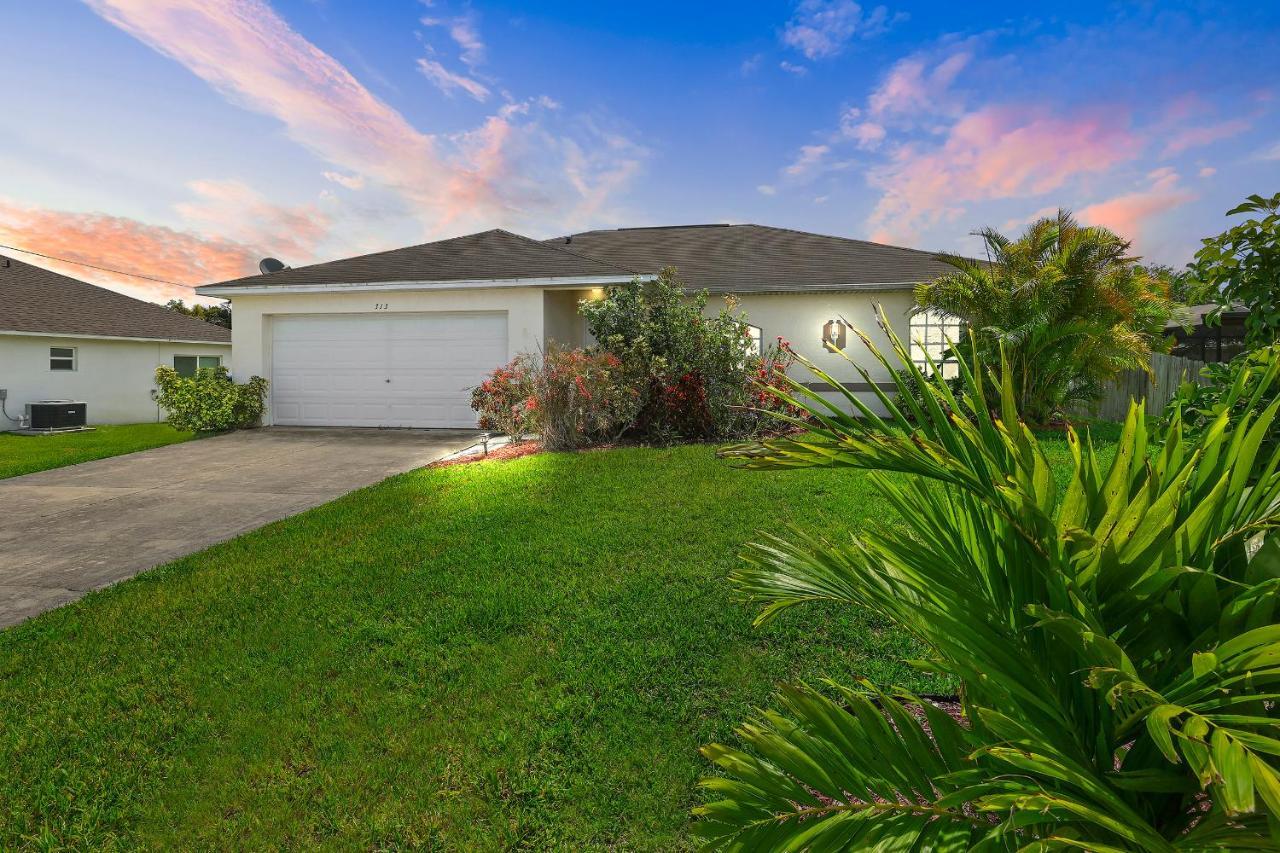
x=930, y=332
x=62, y=358
x=755, y=348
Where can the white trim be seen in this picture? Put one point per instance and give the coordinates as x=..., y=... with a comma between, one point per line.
x=462, y=284
x=74, y=336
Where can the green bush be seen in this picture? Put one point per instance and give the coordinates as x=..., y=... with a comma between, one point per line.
x=581, y=398
x=1236, y=388
x=1114, y=640
x=692, y=372
x=209, y=401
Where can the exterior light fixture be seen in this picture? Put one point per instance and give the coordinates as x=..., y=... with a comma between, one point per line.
x=833, y=335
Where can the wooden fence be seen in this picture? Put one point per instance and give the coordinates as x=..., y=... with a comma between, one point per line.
x=1169, y=372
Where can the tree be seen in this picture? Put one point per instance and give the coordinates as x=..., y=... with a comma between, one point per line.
x=1243, y=264
x=1184, y=287
x=1067, y=303
x=1114, y=638
x=218, y=315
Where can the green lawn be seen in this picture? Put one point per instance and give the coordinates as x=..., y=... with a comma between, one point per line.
x=499, y=655
x=24, y=454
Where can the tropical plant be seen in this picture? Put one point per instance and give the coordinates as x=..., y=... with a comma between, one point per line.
x=1243, y=265
x=1067, y=305
x=1114, y=641
x=693, y=371
x=218, y=315
x=1227, y=387
x=209, y=401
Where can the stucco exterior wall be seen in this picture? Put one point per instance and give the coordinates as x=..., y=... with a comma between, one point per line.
x=799, y=317
x=115, y=377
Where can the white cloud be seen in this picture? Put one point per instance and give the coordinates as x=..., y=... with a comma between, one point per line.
x=767, y=189
x=449, y=81
x=820, y=29
x=791, y=68
x=1208, y=172
x=351, y=182
x=809, y=160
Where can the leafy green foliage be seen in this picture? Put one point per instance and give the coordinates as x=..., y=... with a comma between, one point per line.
x=1066, y=304
x=209, y=401
x=218, y=315
x=1234, y=388
x=692, y=371
x=1114, y=640
x=1183, y=286
x=1243, y=265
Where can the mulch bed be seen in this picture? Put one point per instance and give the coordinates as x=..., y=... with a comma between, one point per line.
x=506, y=451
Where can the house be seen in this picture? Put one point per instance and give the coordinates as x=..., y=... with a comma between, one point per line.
x=1196, y=338
x=65, y=339
x=398, y=338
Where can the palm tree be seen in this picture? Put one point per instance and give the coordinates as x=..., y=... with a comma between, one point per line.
x=1067, y=303
x=1115, y=641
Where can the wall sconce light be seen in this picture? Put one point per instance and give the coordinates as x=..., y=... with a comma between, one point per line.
x=833, y=335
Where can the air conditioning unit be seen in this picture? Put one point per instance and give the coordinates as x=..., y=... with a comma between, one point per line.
x=57, y=414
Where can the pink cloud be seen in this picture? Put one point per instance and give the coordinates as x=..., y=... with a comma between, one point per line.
x=1130, y=215
x=124, y=244
x=912, y=86
x=993, y=153
x=248, y=53
x=1195, y=137
x=235, y=211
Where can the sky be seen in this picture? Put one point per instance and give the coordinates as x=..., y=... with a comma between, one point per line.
x=186, y=139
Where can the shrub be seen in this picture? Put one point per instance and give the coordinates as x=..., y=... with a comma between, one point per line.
x=692, y=371
x=1237, y=388
x=209, y=401
x=1115, y=641
x=1243, y=265
x=581, y=398
x=502, y=401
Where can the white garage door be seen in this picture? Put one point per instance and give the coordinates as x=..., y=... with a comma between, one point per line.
x=382, y=370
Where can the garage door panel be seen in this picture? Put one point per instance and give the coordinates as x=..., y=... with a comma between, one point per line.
x=333, y=370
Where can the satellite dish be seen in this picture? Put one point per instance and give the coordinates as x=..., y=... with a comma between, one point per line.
x=270, y=265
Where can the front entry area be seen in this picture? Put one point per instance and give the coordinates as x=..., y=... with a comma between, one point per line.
x=382, y=370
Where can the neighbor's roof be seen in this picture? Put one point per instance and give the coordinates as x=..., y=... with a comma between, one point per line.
x=495, y=255
x=759, y=258
x=37, y=300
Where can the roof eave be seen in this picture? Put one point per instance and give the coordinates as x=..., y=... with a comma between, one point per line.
x=23, y=333
x=231, y=290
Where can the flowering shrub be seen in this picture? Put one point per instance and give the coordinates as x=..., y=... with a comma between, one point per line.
x=768, y=372
x=209, y=401
x=504, y=400
x=581, y=398
x=692, y=371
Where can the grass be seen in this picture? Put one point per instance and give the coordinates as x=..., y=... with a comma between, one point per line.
x=25, y=454
x=504, y=655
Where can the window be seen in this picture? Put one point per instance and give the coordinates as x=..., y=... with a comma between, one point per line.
x=187, y=365
x=62, y=358
x=754, y=349
x=930, y=332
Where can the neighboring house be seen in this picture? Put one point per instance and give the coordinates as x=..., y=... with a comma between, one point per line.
x=1202, y=341
x=398, y=338
x=65, y=339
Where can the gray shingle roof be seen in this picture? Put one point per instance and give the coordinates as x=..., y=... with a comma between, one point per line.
x=33, y=299
x=758, y=258
x=488, y=256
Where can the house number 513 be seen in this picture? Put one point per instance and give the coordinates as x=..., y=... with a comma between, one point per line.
x=380, y=306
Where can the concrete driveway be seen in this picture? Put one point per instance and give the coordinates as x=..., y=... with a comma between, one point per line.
x=75, y=529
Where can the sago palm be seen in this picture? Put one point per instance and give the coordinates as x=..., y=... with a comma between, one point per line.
x=1065, y=302
x=1114, y=642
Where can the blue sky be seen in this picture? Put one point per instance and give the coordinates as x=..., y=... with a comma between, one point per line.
x=185, y=139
